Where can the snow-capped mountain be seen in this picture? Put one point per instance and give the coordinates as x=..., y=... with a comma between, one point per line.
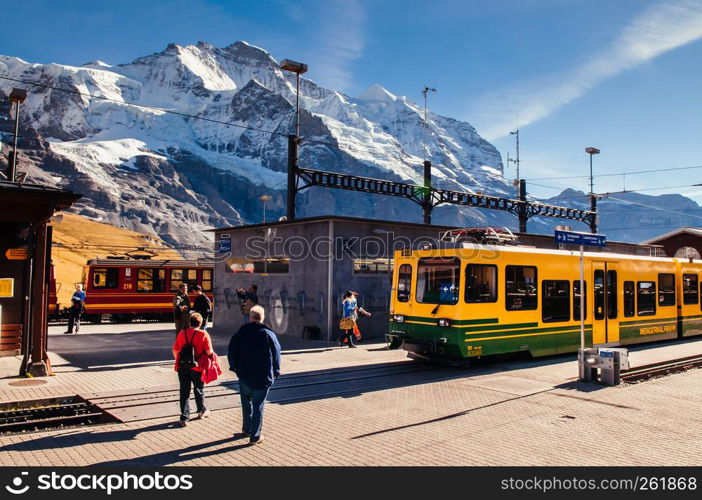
x=189, y=138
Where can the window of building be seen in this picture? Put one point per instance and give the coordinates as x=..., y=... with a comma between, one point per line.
x=599, y=294
x=520, y=288
x=481, y=283
x=262, y=266
x=576, y=300
x=556, y=301
x=629, y=299
x=690, y=289
x=372, y=266
x=612, y=309
x=207, y=280
x=646, y=298
x=666, y=289
x=151, y=280
x=404, y=283
x=105, y=277
x=438, y=280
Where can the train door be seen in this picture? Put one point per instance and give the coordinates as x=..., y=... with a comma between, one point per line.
x=605, y=319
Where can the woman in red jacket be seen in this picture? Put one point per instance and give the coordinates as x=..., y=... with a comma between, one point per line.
x=190, y=345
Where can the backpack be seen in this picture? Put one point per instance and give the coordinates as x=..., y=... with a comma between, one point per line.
x=187, y=353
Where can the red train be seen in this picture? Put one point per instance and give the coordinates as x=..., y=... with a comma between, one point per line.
x=128, y=289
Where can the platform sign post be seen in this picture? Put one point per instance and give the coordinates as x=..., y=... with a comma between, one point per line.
x=582, y=239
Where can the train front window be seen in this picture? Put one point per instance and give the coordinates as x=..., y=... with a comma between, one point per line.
x=690, y=289
x=520, y=288
x=646, y=298
x=404, y=283
x=481, y=283
x=106, y=277
x=666, y=289
x=438, y=280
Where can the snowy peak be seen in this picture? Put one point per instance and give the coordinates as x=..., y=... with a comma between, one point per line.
x=377, y=93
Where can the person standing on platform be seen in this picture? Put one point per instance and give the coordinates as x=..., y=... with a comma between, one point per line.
x=349, y=318
x=76, y=309
x=181, y=308
x=248, y=300
x=254, y=355
x=191, y=344
x=202, y=306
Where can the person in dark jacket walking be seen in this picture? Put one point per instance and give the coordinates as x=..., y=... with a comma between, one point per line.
x=254, y=355
x=202, y=306
x=181, y=308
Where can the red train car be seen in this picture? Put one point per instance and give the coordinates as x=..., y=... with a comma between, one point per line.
x=129, y=289
x=53, y=312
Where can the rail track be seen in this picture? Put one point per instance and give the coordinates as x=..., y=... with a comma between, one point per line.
x=646, y=372
x=40, y=414
x=157, y=402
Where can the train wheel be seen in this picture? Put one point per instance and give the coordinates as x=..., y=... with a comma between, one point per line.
x=123, y=318
x=394, y=343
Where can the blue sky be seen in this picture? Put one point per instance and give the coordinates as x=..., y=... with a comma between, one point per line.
x=624, y=76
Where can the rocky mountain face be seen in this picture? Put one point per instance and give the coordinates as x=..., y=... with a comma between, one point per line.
x=189, y=138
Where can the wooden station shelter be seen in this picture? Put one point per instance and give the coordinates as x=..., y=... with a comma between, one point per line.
x=25, y=258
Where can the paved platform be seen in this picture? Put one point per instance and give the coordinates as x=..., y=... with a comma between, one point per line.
x=330, y=408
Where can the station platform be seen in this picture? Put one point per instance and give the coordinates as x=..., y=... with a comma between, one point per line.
x=365, y=406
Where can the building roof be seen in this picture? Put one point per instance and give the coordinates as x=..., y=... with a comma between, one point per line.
x=323, y=218
x=694, y=231
x=32, y=202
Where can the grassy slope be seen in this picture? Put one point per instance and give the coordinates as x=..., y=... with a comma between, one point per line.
x=77, y=239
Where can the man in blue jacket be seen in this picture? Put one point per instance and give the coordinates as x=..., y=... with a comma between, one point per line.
x=254, y=355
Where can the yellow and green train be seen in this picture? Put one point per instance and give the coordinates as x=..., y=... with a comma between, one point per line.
x=476, y=300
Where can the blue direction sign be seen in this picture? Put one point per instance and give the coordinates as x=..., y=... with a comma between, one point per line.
x=575, y=238
x=225, y=246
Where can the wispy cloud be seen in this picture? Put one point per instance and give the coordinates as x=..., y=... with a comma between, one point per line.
x=658, y=29
x=340, y=42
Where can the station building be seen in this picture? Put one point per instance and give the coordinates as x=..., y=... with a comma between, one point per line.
x=303, y=267
x=25, y=258
x=685, y=242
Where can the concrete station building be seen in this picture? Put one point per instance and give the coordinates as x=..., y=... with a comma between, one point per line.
x=301, y=276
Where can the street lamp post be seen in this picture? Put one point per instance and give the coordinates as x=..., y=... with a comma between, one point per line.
x=593, y=199
x=17, y=96
x=298, y=68
x=264, y=198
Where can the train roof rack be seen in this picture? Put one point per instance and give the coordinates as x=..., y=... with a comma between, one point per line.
x=488, y=234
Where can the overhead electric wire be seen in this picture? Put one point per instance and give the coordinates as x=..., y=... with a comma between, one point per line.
x=636, y=172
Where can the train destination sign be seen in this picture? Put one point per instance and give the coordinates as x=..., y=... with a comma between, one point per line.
x=577, y=238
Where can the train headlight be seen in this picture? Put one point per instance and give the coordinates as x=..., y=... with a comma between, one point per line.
x=398, y=318
x=444, y=322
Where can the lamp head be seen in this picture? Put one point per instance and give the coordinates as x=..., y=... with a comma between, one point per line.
x=294, y=66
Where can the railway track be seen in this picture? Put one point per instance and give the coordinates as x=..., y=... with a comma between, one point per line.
x=36, y=415
x=646, y=372
x=158, y=402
